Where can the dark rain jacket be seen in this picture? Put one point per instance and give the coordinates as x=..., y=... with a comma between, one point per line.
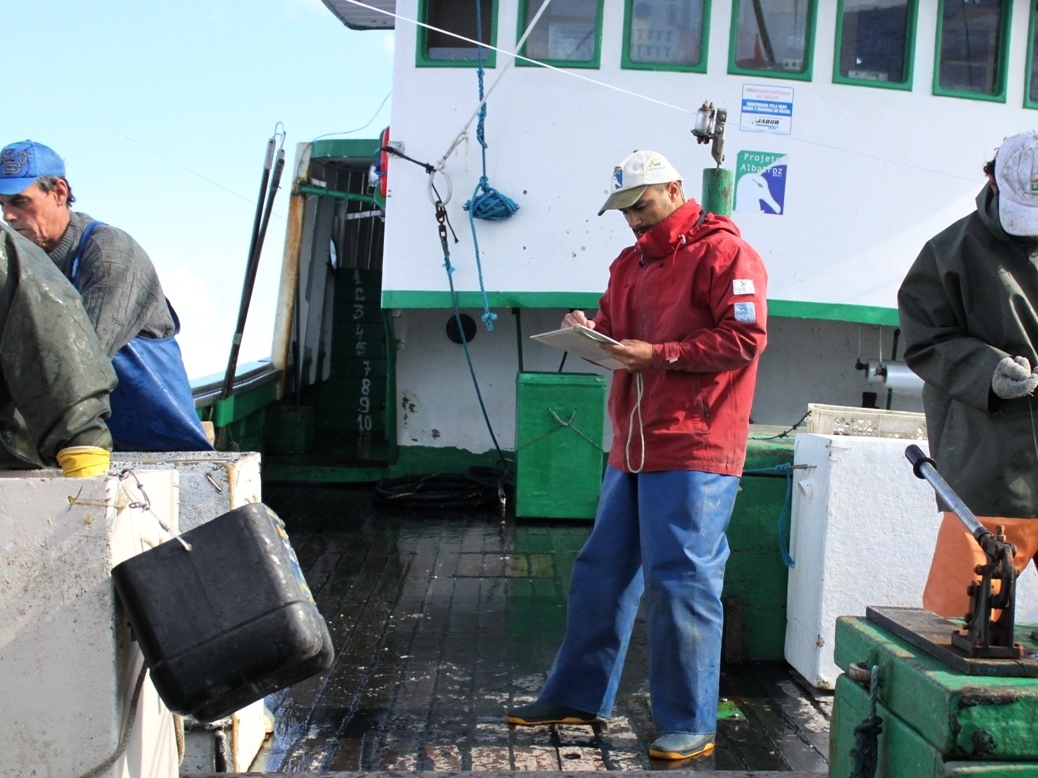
x=971, y=299
x=55, y=378
x=693, y=288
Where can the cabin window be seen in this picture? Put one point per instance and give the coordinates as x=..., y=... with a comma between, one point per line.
x=972, y=43
x=1031, y=96
x=568, y=34
x=665, y=35
x=772, y=38
x=439, y=48
x=874, y=43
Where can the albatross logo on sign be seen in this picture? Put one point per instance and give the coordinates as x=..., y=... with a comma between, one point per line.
x=760, y=182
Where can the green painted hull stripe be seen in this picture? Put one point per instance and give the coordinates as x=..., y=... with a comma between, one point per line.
x=789, y=309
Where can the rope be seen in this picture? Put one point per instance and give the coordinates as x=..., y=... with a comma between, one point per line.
x=486, y=202
x=637, y=409
x=864, y=754
x=579, y=76
x=783, y=522
x=442, y=223
x=178, y=733
x=563, y=425
x=124, y=737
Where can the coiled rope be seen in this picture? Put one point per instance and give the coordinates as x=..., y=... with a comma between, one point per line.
x=486, y=203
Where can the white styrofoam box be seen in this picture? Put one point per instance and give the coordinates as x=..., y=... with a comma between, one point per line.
x=211, y=482
x=67, y=663
x=862, y=533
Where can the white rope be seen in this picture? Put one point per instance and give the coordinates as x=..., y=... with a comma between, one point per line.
x=505, y=69
x=572, y=74
x=637, y=409
x=518, y=56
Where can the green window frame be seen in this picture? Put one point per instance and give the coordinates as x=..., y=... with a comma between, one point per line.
x=558, y=34
x=807, y=8
x=951, y=45
x=862, y=76
x=429, y=12
x=1031, y=81
x=633, y=34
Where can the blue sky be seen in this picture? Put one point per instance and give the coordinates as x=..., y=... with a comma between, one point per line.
x=162, y=112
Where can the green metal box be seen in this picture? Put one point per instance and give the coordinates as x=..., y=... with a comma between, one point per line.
x=560, y=419
x=937, y=722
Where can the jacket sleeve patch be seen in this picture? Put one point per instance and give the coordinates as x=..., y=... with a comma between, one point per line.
x=742, y=286
x=745, y=312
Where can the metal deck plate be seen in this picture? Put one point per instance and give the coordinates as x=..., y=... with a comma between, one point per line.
x=933, y=634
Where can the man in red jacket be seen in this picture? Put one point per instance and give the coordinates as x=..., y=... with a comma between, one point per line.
x=687, y=304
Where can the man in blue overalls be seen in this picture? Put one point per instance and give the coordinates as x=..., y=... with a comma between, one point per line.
x=152, y=407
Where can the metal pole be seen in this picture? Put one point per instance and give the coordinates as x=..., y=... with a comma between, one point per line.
x=718, y=190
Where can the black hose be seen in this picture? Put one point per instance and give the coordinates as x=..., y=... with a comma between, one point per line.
x=475, y=488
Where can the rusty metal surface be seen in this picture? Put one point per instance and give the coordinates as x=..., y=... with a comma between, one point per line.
x=442, y=620
x=934, y=635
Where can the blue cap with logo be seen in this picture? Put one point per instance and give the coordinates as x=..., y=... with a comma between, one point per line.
x=23, y=162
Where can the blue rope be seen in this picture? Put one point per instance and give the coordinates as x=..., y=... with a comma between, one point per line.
x=783, y=525
x=465, y=343
x=486, y=202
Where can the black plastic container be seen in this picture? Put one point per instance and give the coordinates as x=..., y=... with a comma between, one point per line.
x=227, y=622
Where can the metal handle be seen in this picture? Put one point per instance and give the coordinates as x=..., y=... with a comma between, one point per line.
x=923, y=467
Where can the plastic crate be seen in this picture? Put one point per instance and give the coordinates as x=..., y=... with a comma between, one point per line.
x=865, y=422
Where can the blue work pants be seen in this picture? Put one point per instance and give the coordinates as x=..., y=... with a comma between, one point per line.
x=663, y=534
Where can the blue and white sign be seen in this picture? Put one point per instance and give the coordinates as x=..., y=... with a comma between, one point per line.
x=767, y=109
x=760, y=182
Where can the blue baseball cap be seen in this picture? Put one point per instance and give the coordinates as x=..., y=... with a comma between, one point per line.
x=22, y=163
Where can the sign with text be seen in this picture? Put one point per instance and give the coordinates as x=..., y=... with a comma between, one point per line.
x=766, y=109
x=760, y=182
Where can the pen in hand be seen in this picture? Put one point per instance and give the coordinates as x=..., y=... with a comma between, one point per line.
x=577, y=317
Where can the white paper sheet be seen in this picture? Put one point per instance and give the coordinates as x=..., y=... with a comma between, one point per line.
x=583, y=342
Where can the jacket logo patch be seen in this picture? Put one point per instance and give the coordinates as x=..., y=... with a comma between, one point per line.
x=745, y=312
x=742, y=286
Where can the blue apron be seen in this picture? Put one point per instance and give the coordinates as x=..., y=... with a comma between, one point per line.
x=152, y=407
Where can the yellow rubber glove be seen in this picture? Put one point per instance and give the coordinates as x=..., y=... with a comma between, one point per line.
x=84, y=461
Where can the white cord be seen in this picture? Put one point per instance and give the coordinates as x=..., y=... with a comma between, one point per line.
x=637, y=409
x=486, y=96
x=573, y=74
x=516, y=56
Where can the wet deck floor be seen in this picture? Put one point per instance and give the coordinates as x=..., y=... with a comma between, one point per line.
x=443, y=619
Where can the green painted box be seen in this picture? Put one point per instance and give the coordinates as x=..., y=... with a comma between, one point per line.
x=936, y=720
x=560, y=420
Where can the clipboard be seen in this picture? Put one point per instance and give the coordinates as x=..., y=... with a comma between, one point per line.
x=583, y=342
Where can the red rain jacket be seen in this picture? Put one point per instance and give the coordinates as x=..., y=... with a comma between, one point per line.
x=696, y=290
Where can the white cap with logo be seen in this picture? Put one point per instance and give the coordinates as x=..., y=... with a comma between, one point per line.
x=631, y=177
x=1016, y=174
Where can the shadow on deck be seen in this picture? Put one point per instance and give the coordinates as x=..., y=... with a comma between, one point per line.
x=443, y=619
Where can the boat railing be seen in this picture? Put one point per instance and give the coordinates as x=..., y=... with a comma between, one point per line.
x=250, y=375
